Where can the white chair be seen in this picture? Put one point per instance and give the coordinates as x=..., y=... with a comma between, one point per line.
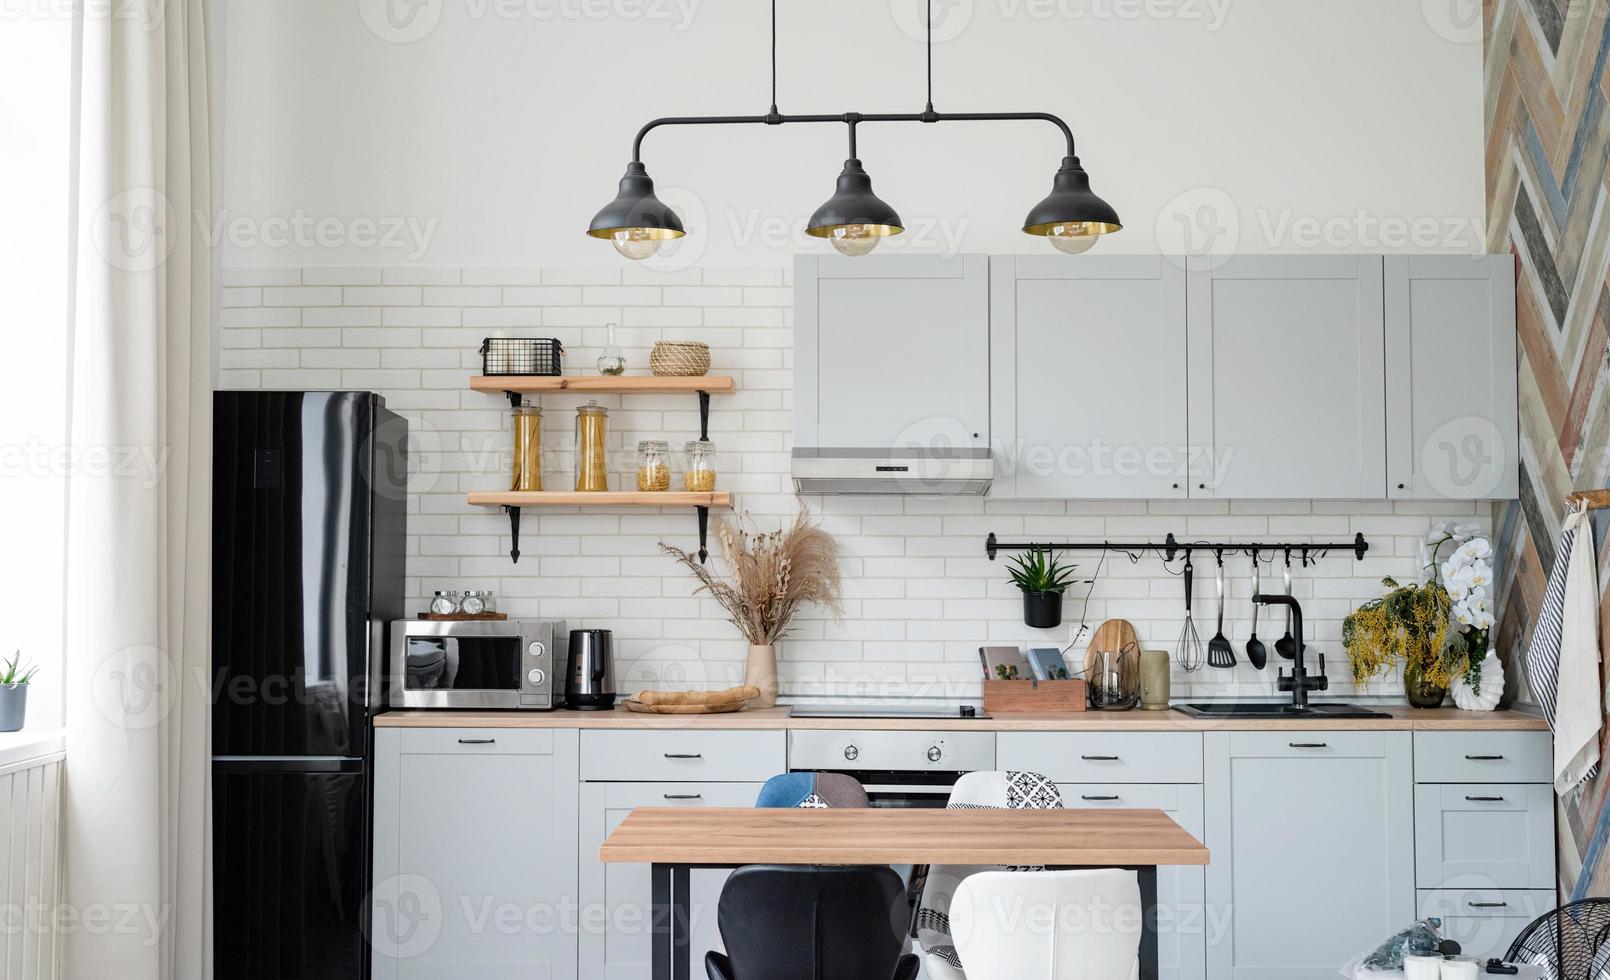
x=973, y=791
x=1048, y=925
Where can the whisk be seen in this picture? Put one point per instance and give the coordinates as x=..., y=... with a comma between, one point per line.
x=1188, y=653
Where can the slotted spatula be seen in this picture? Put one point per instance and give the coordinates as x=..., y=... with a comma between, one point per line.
x=1220, y=652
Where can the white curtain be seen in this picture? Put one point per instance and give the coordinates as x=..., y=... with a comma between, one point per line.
x=138, y=515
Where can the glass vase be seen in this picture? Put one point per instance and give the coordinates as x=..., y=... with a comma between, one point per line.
x=1421, y=692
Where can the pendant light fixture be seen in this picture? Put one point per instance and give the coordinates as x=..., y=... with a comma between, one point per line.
x=1072, y=218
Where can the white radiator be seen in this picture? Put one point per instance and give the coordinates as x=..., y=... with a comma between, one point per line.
x=30, y=855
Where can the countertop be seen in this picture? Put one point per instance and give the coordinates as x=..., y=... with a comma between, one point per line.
x=1399, y=718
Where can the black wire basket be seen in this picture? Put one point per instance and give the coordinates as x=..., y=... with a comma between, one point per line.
x=521, y=355
x=1570, y=943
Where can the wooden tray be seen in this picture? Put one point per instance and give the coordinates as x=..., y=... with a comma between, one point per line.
x=1006, y=697
x=683, y=709
x=462, y=617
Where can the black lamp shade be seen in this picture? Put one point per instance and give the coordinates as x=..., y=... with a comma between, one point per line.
x=1071, y=201
x=636, y=207
x=853, y=203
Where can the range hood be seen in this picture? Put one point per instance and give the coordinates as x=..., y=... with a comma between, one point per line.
x=948, y=472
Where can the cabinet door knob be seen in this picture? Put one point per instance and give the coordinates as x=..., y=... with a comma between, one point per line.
x=1099, y=758
x=684, y=755
x=1401, y=486
x=1484, y=799
x=477, y=741
x=1100, y=799
x=1484, y=758
x=683, y=796
x=1308, y=745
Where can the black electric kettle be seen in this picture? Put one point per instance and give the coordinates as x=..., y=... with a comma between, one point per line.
x=591, y=684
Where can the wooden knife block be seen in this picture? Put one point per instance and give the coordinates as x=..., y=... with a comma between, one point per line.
x=1007, y=697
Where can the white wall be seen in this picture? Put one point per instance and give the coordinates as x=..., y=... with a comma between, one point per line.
x=921, y=595
x=1263, y=125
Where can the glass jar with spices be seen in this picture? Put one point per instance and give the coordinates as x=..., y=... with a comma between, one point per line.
x=476, y=602
x=653, y=465
x=700, y=474
x=444, y=604
x=527, y=448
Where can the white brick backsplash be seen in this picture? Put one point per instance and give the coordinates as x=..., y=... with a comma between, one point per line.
x=920, y=594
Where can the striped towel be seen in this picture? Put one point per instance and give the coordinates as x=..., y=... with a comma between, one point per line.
x=1564, y=656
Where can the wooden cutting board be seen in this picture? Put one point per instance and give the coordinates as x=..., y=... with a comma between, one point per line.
x=1119, y=635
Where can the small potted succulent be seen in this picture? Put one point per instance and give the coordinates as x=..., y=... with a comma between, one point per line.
x=1042, y=579
x=14, y=678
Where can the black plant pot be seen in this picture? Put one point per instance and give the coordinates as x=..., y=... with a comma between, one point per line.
x=1042, y=610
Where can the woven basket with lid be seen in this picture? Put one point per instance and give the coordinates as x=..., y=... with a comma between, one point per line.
x=679, y=359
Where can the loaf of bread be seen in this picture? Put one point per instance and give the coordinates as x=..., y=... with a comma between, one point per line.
x=729, y=696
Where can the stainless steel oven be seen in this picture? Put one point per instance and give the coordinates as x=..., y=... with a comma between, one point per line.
x=897, y=768
x=512, y=663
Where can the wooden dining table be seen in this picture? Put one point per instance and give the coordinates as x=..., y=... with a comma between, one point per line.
x=675, y=841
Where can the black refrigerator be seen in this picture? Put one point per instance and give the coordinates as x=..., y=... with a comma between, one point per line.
x=309, y=515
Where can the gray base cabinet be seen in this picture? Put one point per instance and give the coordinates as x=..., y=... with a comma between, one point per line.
x=475, y=854
x=1312, y=836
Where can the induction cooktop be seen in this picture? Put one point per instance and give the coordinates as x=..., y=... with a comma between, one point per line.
x=900, y=711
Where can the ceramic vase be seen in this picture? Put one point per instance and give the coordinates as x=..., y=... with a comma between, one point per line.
x=1488, y=691
x=760, y=670
x=13, y=706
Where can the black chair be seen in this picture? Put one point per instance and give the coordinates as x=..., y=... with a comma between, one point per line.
x=800, y=923
x=1571, y=943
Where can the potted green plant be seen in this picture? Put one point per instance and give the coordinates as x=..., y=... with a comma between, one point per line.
x=14, y=678
x=1042, y=579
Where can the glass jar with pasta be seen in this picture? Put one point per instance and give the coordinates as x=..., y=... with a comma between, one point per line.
x=653, y=465
x=700, y=474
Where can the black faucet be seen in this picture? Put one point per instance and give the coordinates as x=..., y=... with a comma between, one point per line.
x=1299, y=683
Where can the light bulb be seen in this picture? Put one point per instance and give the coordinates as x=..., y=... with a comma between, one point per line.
x=636, y=244
x=854, y=240
x=1072, y=237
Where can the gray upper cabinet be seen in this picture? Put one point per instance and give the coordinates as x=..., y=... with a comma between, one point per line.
x=891, y=351
x=1087, y=376
x=1450, y=362
x=1287, y=377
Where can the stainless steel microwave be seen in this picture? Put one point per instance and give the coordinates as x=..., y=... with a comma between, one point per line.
x=512, y=663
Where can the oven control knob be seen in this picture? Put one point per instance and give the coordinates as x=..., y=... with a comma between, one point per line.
x=536, y=676
x=536, y=650
x=851, y=753
x=935, y=753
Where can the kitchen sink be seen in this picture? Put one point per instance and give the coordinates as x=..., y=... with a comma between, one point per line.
x=1268, y=709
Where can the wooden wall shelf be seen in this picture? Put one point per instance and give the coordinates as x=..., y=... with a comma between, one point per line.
x=513, y=501
x=599, y=385
x=516, y=386
x=611, y=498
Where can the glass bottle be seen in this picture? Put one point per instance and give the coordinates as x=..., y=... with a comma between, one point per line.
x=700, y=473
x=475, y=602
x=444, y=604
x=653, y=465
x=527, y=448
x=611, y=363
x=592, y=473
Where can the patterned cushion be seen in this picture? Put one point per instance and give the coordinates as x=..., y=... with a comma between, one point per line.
x=812, y=802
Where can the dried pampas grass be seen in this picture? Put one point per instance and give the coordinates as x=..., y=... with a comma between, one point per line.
x=773, y=574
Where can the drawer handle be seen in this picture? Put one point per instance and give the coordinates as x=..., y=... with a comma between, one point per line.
x=683, y=796
x=684, y=755
x=1099, y=758
x=1099, y=799
x=1484, y=758
x=1484, y=799
x=477, y=741
x=1488, y=905
x=1308, y=745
